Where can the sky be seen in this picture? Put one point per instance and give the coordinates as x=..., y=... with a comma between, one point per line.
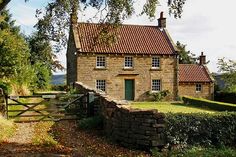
x=207, y=26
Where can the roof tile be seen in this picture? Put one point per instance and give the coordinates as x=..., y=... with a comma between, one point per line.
x=134, y=39
x=193, y=73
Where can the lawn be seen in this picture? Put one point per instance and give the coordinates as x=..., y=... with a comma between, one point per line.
x=174, y=107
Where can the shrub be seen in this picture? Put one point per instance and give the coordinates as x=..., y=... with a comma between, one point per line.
x=197, y=152
x=159, y=96
x=214, y=105
x=201, y=129
x=6, y=87
x=91, y=122
x=225, y=97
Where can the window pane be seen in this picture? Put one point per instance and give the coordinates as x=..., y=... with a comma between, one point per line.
x=198, y=87
x=101, y=85
x=129, y=62
x=155, y=62
x=101, y=61
x=156, y=85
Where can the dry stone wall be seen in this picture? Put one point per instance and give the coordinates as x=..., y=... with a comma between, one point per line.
x=142, y=129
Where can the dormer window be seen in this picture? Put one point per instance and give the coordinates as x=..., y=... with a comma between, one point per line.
x=155, y=62
x=101, y=62
x=128, y=62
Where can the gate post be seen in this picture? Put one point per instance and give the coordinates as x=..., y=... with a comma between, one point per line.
x=90, y=107
x=2, y=103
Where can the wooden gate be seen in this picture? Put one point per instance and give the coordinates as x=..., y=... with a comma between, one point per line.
x=47, y=107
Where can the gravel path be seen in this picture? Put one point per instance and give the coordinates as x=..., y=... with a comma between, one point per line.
x=24, y=133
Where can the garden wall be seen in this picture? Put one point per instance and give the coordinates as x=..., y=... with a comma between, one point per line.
x=142, y=129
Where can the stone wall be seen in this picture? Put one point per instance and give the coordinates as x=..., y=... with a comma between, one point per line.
x=115, y=74
x=189, y=89
x=142, y=129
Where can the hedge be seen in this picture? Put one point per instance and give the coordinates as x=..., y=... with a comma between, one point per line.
x=214, y=105
x=198, y=129
x=225, y=97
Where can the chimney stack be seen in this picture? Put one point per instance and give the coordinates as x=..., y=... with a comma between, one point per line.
x=202, y=59
x=162, y=21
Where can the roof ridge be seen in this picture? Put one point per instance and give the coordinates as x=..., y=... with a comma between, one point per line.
x=138, y=25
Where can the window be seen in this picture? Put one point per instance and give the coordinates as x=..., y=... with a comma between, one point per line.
x=128, y=62
x=155, y=62
x=101, y=62
x=156, y=85
x=101, y=85
x=198, y=87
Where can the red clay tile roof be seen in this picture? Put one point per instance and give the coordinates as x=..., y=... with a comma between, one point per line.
x=193, y=73
x=133, y=39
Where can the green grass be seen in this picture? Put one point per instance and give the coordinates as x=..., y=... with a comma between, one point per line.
x=169, y=107
x=7, y=129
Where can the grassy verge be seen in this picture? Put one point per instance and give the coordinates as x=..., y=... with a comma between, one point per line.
x=42, y=134
x=197, y=152
x=170, y=107
x=7, y=129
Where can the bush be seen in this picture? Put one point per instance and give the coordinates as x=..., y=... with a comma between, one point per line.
x=184, y=129
x=91, y=122
x=225, y=97
x=214, y=105
x=6, y=87
x=159, y=96
x=197, y=152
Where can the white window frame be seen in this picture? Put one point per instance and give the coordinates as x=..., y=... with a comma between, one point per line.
x=157, y=86
x=155, y=62
x=198, y=87
x=101, y=62
x=101, y=85
x=128, y=62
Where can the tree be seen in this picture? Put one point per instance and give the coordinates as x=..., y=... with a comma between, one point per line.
x=185, y=57
x=42, y=60
x=14, y=50
x=55, y=22
x=228, y=69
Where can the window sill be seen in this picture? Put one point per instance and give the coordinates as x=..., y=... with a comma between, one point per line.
x=152, y=92
x=128, y=69
x=155, y=69
x=100, y=68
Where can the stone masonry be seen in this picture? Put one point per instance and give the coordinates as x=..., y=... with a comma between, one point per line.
x=142, y=129
x=115, y=74
x=190, y=89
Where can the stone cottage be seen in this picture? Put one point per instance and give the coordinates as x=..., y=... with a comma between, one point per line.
x=143, y=60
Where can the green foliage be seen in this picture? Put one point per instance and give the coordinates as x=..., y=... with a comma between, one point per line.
x=214, y=105
x=185, y=57
x=43, y=76
x=228, y=69
x=5, y=86
x=14, y=54
x=55, y=20
x=159, y=96
x=91, y=122
x=197, y=152
x=201, y=129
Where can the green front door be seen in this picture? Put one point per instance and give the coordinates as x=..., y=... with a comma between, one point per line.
x=129, y=89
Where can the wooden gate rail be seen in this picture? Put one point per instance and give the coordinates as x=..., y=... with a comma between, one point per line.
x=60, y=113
